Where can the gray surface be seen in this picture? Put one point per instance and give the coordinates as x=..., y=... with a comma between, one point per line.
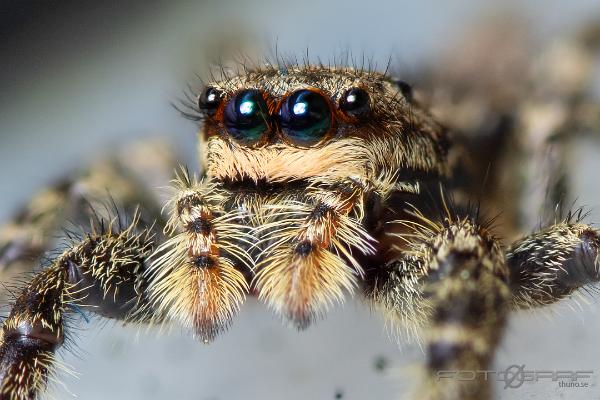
x=117, y=88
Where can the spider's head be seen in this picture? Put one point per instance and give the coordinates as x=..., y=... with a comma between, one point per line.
x=279, y=125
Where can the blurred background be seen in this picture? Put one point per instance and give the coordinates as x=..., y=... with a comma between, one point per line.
x=81, y=78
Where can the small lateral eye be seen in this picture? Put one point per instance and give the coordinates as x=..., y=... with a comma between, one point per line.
x=209, y=101
x=406, y=90
x=356, y=103
x=246, y=116
x=305, y=117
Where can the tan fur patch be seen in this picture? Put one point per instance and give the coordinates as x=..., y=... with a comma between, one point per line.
x=341, y=158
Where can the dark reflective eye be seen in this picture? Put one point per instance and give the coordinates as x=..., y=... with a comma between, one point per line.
x=405, y=89
x=305, y=117
x=355, y=103
x=246, y=116
x=209, y=101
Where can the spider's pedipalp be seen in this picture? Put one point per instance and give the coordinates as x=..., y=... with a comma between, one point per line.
x=307, y=263
x=197, y=273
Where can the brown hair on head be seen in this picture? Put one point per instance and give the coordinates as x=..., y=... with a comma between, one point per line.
x=381, y=131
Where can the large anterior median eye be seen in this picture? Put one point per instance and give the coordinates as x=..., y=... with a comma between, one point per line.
x=246, y=116
x=305, y=117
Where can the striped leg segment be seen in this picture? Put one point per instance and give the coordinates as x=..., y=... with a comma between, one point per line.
x=553, y=263
x=102, y=273
x=467, y=291
x=31, y=334
x=307, y=261
x=198, y=274
x=451, y=287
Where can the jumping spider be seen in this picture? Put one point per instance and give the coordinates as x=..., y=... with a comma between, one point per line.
x=316, y=181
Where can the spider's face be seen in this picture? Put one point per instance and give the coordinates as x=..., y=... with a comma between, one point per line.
x=279, y=125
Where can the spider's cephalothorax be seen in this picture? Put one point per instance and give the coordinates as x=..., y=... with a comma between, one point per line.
x=315, y=182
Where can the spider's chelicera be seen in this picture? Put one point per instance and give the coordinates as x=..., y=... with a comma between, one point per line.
x=315, y=182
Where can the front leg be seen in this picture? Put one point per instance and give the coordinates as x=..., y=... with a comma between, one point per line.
x=103, y=273
x=310, y=243
x=451, y=286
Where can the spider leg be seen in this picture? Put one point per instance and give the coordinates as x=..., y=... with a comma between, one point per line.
x=193, y=277
x=200, y=273
x=452, y=286
x=24, y=239
x=102, y=273
x=307, y=243
x=553, y=263
x=124, y=177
